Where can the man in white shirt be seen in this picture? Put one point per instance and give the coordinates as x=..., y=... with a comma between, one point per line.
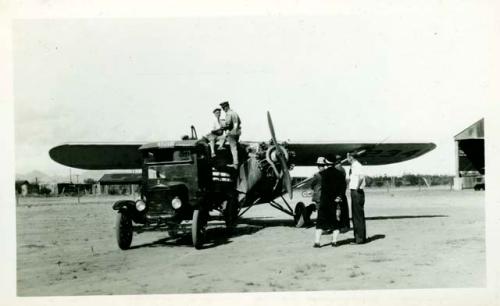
x=356, y=186
x=216, y=131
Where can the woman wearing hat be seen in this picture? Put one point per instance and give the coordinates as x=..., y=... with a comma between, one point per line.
x=332, y=184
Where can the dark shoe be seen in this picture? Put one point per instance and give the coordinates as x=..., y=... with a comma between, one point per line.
x=334, y=244
x=316, y=245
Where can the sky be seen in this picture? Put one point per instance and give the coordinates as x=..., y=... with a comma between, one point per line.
x=419, y=77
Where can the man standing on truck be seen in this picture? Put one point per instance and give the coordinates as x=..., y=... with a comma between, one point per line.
x=216, y=131
x=233, y=126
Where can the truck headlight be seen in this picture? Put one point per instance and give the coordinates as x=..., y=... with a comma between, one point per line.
x=140, y=205
x=176, y=203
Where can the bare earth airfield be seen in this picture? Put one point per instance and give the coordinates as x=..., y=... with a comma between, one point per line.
x=428, y=238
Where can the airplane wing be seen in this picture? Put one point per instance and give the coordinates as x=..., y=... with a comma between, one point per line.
x=373, y=154
x=103, y=156
x=98, y=156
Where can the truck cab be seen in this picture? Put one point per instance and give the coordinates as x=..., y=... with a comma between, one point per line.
x=180, y=182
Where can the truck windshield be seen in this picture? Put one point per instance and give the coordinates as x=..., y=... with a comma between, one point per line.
x=157, y=172
x=168, y=171
x=168, y=164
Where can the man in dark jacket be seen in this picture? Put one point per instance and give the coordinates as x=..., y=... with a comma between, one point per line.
x=316, y=182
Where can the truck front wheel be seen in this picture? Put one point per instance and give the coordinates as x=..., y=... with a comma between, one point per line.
x=198, y=227
x=123, y=231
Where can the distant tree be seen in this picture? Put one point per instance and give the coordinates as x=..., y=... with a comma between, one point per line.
x=45, y=191
x=412, y=179
x=379, y=183
x=408, y=180
x=368, y=181
x=89, y=181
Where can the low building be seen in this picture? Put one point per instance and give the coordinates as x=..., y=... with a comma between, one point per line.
x=71, y=189
x=469, y=157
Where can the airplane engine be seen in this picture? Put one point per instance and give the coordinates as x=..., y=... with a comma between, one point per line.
x=273, y=161
x=274, y=164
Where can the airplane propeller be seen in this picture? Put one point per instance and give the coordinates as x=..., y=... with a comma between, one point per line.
x=280, y=155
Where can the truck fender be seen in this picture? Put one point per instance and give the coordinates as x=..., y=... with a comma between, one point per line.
x=124, y=205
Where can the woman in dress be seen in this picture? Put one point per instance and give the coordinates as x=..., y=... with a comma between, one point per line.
x=332, y=184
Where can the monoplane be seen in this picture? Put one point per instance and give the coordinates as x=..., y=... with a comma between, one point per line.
x=181, y=181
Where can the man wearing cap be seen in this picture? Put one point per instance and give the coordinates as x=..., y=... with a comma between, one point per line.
x=356, y=186
x=216, y=131
x=332, y=183
x=233, y=126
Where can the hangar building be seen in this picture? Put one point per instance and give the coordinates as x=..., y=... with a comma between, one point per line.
x=469, y=157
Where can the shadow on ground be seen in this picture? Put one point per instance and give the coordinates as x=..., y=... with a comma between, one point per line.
x=215, y=236
x=271, y=222
x=218, y=235
x=405, y=217
x=351, y=241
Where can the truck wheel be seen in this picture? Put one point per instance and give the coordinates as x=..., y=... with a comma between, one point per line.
x=123, y=231
x=231, y=215
x=198, y=228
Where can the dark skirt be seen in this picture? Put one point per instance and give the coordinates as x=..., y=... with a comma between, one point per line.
x=327, y=219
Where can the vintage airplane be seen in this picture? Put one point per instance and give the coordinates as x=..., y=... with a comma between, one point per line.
x=181, y=181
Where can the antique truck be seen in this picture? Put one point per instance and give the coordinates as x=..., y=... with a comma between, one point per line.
x=180, y=182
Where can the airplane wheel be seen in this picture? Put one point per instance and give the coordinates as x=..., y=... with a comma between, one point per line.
x=198, y=228
x=299, y=215
x=124, y=231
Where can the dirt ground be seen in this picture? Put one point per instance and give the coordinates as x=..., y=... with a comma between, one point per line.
x=432, y=238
